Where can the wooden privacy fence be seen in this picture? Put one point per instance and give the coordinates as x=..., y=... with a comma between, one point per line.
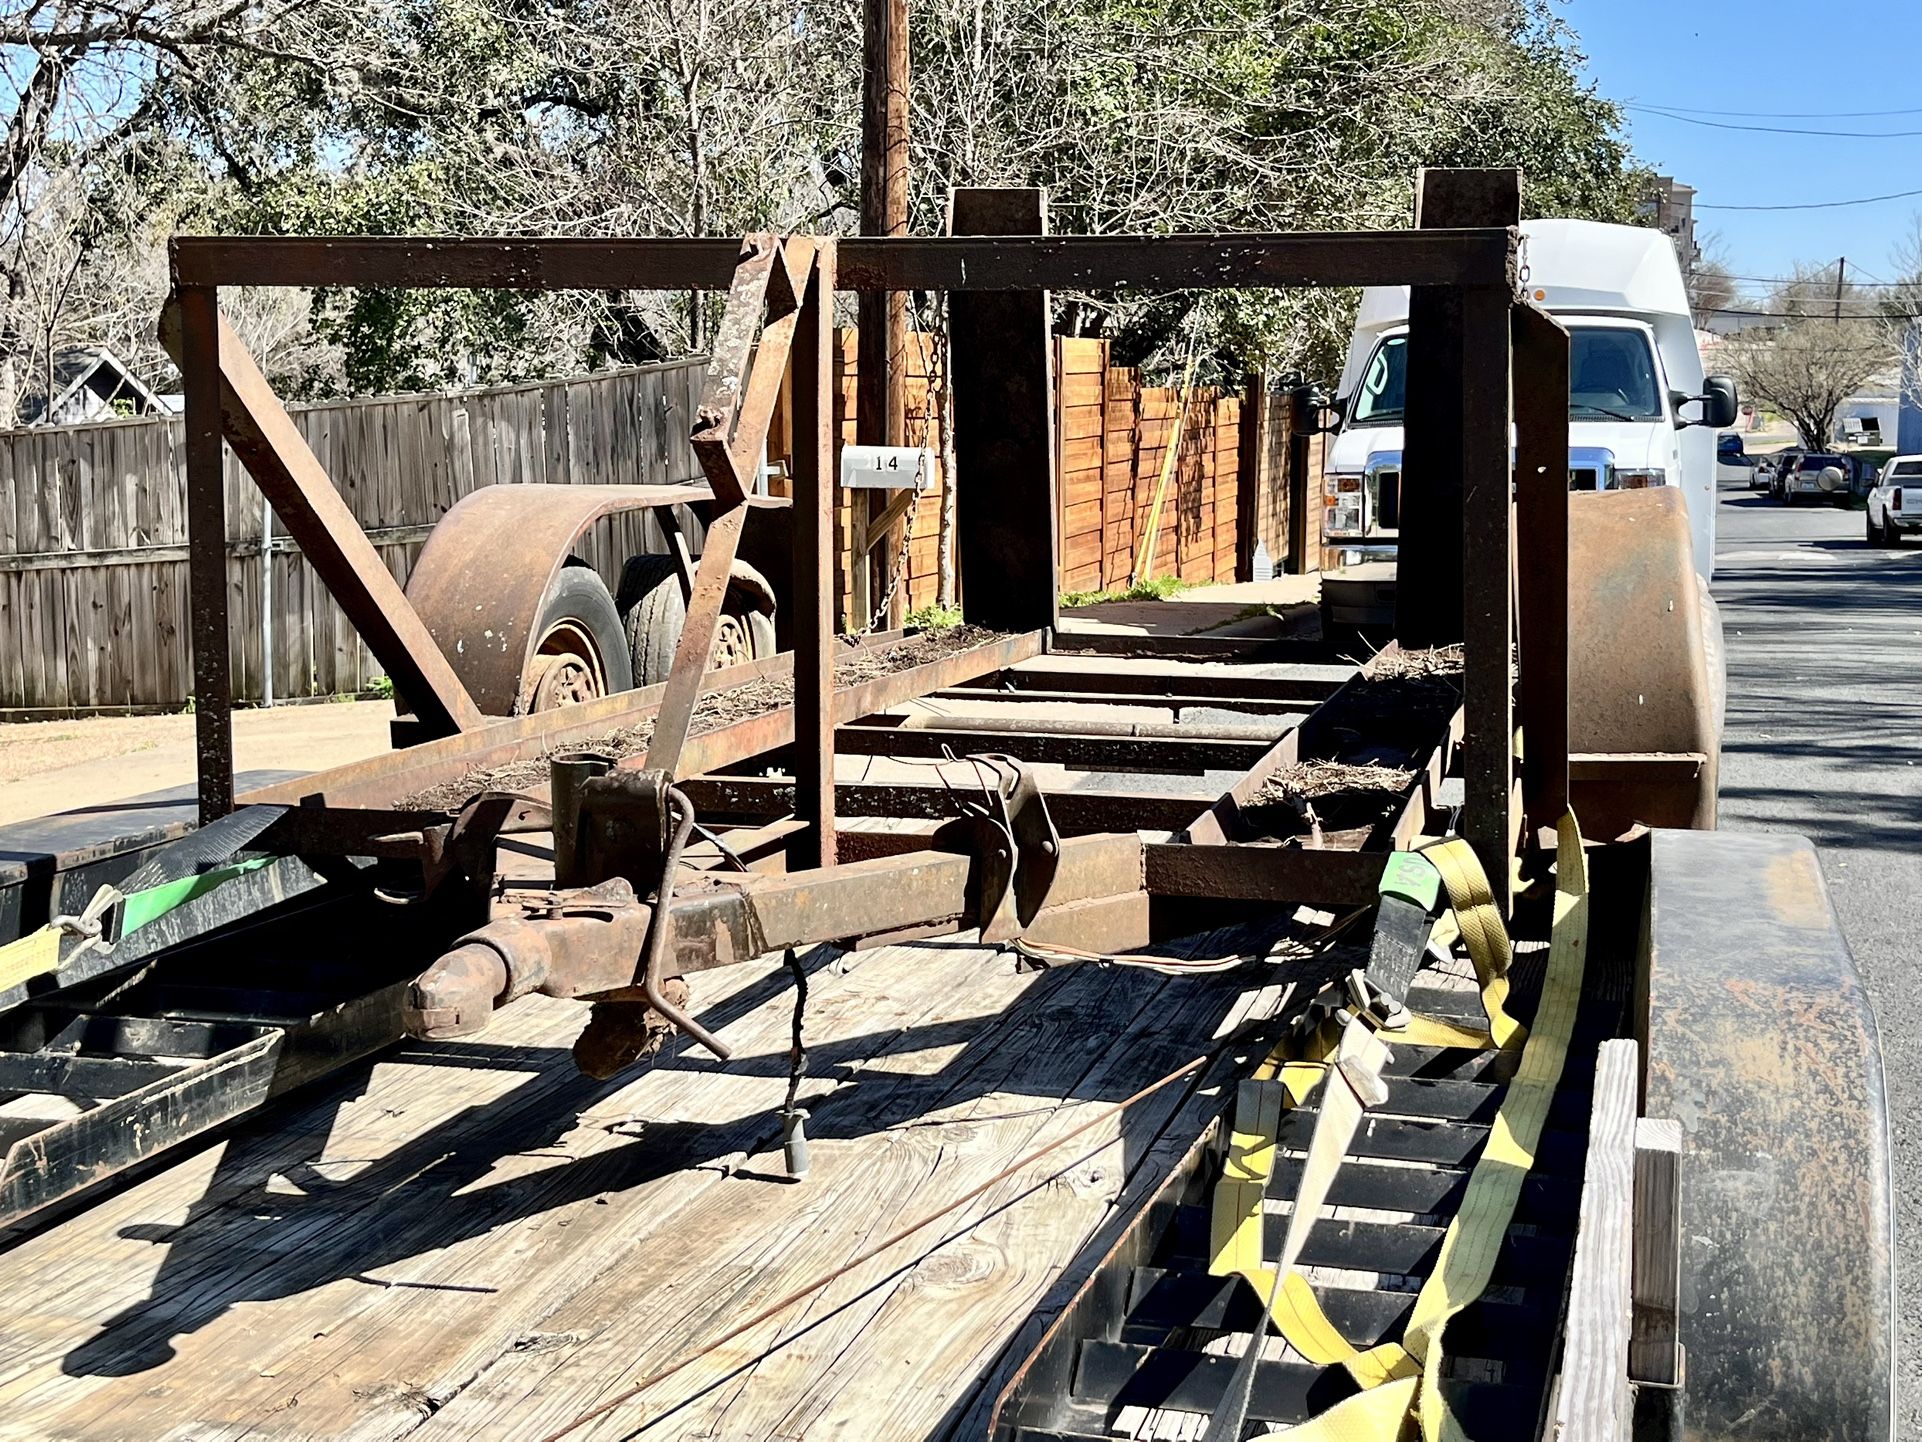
x=1227, y=487
x=93, y=530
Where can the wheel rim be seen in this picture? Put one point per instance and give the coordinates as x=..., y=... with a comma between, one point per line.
x=732, y=645
x=566, y=670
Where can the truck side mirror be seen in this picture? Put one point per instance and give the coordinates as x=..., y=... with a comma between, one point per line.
x=1720, y=405
x=1310, y=401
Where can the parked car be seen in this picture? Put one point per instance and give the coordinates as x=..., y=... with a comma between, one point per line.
x=1784, y=468
x=1815, y=476
x=1733, y=465
x=1895, y=503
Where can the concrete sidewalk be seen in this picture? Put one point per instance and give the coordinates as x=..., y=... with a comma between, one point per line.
x=48, y=766
x=1243, y=608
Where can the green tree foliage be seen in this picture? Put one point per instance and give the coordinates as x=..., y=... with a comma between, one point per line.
x=692, y=117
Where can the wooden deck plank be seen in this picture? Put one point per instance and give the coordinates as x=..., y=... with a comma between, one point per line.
x=470, y=1241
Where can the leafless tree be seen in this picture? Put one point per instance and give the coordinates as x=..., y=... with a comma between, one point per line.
x=1806, y=368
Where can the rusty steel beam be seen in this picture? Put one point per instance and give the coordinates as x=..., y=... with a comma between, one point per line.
x=1541, y=548
x=1065, y=745
x=288, y=473
x=1483, y=256
x=728, y=426
x=1252, y=705
x=198, y=354
x=1489, y=819
x=1291, y=875
x=1251, y=680
x=381, y=780
x=813, y=603
x=1075, y=812
x=1007, y=551
x=1222, y=821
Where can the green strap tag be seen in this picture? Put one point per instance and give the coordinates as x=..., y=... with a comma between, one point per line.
x=1412, y=877
x=155, y=902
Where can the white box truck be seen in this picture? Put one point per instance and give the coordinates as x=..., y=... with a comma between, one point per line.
x=1641, y=412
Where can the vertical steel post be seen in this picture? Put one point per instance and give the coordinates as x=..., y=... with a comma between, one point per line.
x=266, y=602
x=1430, y=557
x=813, y=586
x=207, y=550
x=1541, y=558
x=1005, y=517
x=1489, y=817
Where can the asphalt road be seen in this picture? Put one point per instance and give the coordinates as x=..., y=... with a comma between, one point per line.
x=1824, y=738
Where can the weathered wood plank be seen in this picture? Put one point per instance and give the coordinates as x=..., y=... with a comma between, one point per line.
x=1593, y=1400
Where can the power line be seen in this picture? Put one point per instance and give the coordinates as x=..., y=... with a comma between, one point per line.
x=1769, y=114
x=1819, y=204
x=1777, y=129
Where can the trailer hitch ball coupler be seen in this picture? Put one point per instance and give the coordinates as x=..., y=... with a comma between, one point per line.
x=455, y=996
x=580, y=944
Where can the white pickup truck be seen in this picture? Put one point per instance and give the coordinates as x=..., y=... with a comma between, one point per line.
x=1895, y=505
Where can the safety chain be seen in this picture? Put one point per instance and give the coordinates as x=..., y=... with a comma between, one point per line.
x=878, y=620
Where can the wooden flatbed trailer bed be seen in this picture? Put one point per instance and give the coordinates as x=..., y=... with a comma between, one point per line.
x=473, y=1205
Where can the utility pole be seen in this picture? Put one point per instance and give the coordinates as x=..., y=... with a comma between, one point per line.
x=881, y=382
x=1840, y=266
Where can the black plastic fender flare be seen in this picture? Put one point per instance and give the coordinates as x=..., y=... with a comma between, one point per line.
x=1762, y=1043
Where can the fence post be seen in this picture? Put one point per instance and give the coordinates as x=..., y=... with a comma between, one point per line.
x=1249, y=489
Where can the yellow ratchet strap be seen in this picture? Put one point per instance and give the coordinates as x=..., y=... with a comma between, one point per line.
x=1400, y=1378
x=35, y=954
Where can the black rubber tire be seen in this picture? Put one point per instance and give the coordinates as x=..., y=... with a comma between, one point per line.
x=1872, y=532
x=580, y=596
x=655, y=613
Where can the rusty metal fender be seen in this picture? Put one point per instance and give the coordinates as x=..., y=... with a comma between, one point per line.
x=487, y=566
x=1641, y=660
x=1762, y=1043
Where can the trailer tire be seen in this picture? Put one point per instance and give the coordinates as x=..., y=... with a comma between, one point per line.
x=580, y=652
x=656, y=613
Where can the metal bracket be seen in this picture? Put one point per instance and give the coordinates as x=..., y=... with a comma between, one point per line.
x=1015, y=845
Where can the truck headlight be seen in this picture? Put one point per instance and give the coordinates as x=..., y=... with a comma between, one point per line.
x=1642, y=479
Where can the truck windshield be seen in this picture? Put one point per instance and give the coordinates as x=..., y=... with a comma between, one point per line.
x=1611, y=377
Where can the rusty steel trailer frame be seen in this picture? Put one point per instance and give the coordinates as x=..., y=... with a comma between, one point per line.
x=1008, y=460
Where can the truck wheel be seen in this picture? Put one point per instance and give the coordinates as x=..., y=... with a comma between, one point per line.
x=580, y=653
x=656, y=614
x=1874, y=536
x=650, y=598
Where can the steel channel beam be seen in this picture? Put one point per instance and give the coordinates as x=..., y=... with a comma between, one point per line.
x=1191, y=755
x=725, y=426
x=1253, y=705
x=1074, y=812
x=1006, y=534
x=199, y=360
x=726, y=745
x=1541, y=525
x=1268, y=650
x=813, y=601
x=1309, y=876
x=1262, y=733
x=291, y=477
x=381, y=780
x=1040, y=676
x=1483, y=256
x=1222, y=821
x=1489, y=820
x=742, y=918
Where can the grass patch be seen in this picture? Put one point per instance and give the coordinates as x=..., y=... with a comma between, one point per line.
x=1160, y=588
x=934, y=617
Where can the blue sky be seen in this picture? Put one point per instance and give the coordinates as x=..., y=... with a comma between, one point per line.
x=1772, y=56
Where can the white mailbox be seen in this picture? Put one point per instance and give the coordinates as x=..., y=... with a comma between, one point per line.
x=886, y=468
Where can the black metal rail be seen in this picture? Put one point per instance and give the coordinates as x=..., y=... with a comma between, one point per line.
x=1137, y=1336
